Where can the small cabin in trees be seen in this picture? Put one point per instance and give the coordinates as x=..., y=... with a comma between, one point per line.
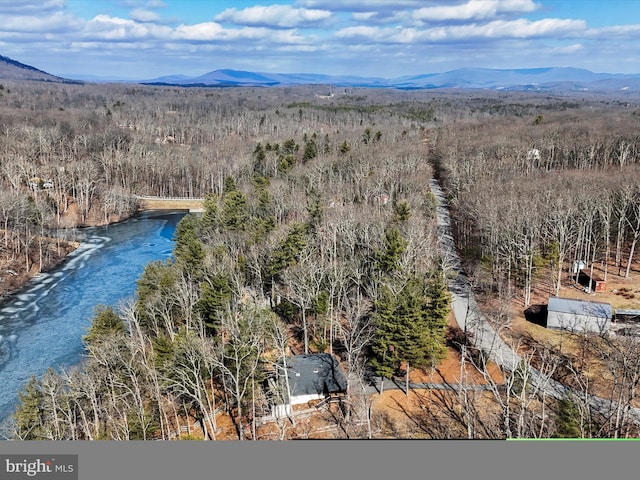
x=310, y=377
x=579, y=316
x=592, y=282
x=533, y=155
x=37, y=183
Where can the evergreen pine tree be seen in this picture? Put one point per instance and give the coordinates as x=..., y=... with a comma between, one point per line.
x=29, y=412
x=395, y=245
x=229, y=185
x=438, y=317
x=310, y=151
x=287, y=252
x=234, y=214
x=214, y=300
x=409, y=327
x=209, y=220
x=105, y=322
x=189, y=251
x=155, y=284
x=568, y=418
x=259, y=165
x=163, y=352
x=401, y=211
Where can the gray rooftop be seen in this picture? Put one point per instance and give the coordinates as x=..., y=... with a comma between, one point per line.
x=317, y=373
x=580, y=307
x=620, y=311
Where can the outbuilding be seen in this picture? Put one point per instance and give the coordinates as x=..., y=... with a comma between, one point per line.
x=592, y=282
x=579, y=316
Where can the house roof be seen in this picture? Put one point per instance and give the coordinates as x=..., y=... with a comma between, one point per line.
x=580, y=307
x=317, y=373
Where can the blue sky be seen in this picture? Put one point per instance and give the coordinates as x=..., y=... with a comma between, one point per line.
x=144, y=39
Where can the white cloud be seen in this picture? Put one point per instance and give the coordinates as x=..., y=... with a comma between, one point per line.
x=361, y=31
x=615, y=31
x=474, y=10
x=401, y=35
x=278, y=16
x=363, y=16
x=22, y=7
x=360, y=5
x=567, y=50
x=58, y=22
x=242, y=39
x=496, y=29
x=120, y=29
x=200, y=32
x=522, y=28
x=142, y=15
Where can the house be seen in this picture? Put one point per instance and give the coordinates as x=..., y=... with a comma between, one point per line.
x=310, y=377
x=37, y=183
x=533, y=155
x=579, y=316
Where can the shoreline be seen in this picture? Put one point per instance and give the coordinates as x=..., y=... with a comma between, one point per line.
x=21, y=283
x=22, y=277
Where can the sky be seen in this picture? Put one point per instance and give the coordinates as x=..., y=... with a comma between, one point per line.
x=146, y=39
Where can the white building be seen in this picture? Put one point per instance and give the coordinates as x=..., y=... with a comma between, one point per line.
x=579, y=316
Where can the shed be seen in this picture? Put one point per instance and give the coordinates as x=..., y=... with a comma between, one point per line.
x=594, y=283
x=627, y=316
x=579, y=316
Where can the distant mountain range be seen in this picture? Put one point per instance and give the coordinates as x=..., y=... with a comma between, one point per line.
x=550, y=79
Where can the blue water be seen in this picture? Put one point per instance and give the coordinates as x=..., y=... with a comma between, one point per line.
x=43, y=324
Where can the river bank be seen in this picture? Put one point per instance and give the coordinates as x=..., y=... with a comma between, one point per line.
x=45, y=252
x=16, y=273
x=42, y=325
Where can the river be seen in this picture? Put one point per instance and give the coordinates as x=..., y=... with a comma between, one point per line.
x=42, y=325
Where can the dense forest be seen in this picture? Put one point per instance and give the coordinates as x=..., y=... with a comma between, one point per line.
x=318, y=235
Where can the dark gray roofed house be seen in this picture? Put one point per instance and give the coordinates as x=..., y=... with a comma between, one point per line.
x=311, y=377
x=314, y=377
x=579, y=315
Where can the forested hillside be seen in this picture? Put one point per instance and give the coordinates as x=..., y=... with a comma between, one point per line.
x=533, y=197
x=542, y=190
x=318, y=235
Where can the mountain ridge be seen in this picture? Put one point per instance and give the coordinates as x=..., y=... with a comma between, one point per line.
x=11, y=69
x=544, y=78
x=530, y=79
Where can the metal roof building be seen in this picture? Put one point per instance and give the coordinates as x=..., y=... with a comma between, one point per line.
x=578, y=315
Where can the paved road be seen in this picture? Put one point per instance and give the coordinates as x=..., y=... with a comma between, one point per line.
x=463, y=302
x=471, y=319
x=398, y=383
